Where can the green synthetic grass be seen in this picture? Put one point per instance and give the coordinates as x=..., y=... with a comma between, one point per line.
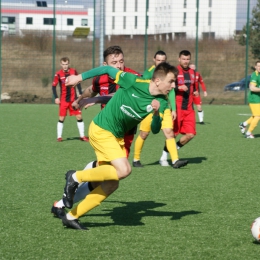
x=202, y=211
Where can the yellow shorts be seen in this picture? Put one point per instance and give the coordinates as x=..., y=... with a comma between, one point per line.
x=107, y=147
x=167, y=122
x=255, y=109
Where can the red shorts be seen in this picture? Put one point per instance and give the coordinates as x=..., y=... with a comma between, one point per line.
x=64, y=106
x=197, y=100
x=185, y=122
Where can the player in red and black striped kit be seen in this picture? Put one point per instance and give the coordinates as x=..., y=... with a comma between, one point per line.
x=67, y=97
x=185, y=122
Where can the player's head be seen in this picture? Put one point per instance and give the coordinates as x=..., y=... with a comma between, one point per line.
x=257, y=66
x=114, y=56
x=184, y=59
x=192, y=66
x=164, y=77
x=159, y=57
x=65, y=63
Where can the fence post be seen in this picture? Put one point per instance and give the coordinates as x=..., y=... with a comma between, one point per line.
x=53, y=43
x=1, y=52
x=197, y=40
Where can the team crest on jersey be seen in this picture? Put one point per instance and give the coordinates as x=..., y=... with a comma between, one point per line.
x=130, y=112
x=122, y=74
x=149, y=108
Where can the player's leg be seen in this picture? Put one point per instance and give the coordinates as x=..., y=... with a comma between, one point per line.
x=255, y=108
x=107, y=148
x=80, y=123
x=63, y=106
x=145, y=128
x=242, y=126
x=197, y=101
x=128, y=138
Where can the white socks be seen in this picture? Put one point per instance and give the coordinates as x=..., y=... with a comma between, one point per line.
x=201, y=115
x=59, y=129
x=81, y=128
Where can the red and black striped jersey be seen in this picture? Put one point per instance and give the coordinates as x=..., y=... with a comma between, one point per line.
x=105, y=85
x=184, y=99
x=67, y=94
x=199, y=81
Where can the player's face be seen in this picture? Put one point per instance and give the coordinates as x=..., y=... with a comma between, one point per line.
x=159, y=59
x=257, y=67
x=116, y=61
x=167, y=84
x=184, y=61
x=64, y=65
x=192, y=66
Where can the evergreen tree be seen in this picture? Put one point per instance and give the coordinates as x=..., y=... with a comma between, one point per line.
x=254, y=31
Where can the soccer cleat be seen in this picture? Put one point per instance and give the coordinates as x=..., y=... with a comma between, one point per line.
x=180, y=163
x=242, y=128
x=84, y=138
x=59, y=139
x=69, y=189
x=163, y=163
x=137, y=164
x=249, y=136
x=202, y=123
x=57, y=212
x=72, y=223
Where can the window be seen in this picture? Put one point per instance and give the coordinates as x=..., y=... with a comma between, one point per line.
x=8, y=20
x=69, y=21
x=29, y=20
x=185, y=4
x=113, y=22
x=113, y=6
x=48, y=21
x=208, y=35
x=135, y=22
x=210, y=3
x=136, y=5
x=84, y=22
x=41, y=3
x=124, y=22
x=209, y=19
x=124, y=5
x=184, y=19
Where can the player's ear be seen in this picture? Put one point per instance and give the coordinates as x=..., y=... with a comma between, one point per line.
x=104, y=63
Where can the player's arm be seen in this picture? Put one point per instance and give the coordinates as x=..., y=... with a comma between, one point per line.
x=54, y=90
x=171, y=97
x=253, y=87
x=203, y=86
x=73, y=80
x=156, y=123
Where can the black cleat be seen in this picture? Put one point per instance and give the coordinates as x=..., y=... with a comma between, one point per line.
x=202, y=123
x=72, y=223
x=58, y=212
x=180, y=164
x=137, y=164
x=69, y=189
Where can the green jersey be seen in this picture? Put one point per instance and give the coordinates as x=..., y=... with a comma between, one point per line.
x=254, y=97
x=148, y=73
x=130, y=104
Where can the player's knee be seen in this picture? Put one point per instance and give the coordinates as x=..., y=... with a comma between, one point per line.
x=110, y=186
x=168, y=133
x=123, y=172
x=190, y=136
x=144, y=135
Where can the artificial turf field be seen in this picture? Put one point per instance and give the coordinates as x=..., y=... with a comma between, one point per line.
x=202, y=211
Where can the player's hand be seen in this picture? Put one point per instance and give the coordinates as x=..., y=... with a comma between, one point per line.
x=73, y=80
x=183, y=88
x=196, y=93
x=57, y=101
x=155, y=105
x=205, y=93
x=75, y=105
x=174, y=115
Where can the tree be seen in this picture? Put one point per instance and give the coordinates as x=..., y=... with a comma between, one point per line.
x=254, y=31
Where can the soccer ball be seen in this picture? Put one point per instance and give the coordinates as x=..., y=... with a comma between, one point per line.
x=255, y=229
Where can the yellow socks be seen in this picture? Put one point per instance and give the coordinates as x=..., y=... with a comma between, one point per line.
x=100, y=173
x=171, y=146
x=139, y=142
x=253, y=124
x=91, y=201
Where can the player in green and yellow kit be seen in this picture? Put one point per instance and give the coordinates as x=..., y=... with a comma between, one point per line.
x=254, y=103
x=134, y=100
x=167, y=124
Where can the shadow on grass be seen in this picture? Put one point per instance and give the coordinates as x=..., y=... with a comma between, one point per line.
x=195, y=160
x=131, y=213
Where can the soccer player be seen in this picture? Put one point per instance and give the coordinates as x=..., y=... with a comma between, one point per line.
x=185, y=90
x=102, y=85
x=134, y=100
x=196, y=99
x=167, y=124
x=67, y=97
x=254, y=103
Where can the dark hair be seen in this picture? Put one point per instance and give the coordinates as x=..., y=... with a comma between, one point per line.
x=64, y=59
x=159, y=53
x=184, y=53
x=162, y=69
x=258, y=61
x=112, y=50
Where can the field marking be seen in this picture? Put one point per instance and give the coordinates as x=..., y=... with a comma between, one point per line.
x=244, y=114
